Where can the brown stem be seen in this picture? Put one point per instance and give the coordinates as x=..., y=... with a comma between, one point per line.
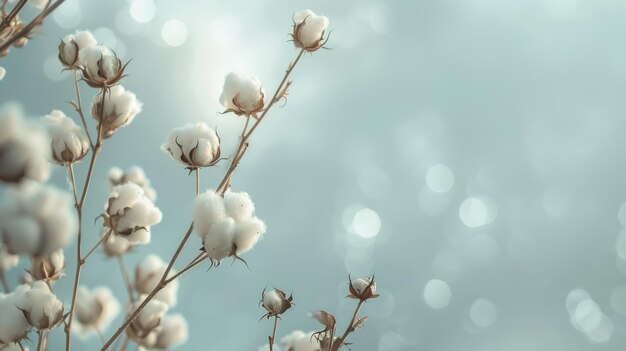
x=350, y=327
x=4, y=281
x=9, y=18
x=201, y=257
x=93, y=249
x=241, y=149
x=29, y=27
x=126, y=277
x=162, y=283
x=197, y=181
x=79, y=108
x=271, y=338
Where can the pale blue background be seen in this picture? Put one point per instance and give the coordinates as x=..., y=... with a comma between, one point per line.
x=523, y=100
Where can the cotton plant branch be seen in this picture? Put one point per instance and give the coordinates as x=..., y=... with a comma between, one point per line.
x=12, y=15
x=38, y=20
x=78, y=106
x=349, y=329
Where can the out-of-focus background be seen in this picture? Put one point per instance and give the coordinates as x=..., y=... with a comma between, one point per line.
x=469, y=153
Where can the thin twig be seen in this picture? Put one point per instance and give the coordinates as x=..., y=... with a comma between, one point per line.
x=79, y=108
x=126, y=277
x=70, y=171
x=271, y=338
x=201, y=257
x=12, y=15
x=197, y=181
x=4, y=281
x=29, y=27
x=93, y=249
x=350, y=327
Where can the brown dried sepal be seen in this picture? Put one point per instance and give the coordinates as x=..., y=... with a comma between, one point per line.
x=368, y=293
x=295, y=36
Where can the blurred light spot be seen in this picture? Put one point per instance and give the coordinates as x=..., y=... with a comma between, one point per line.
x=618, y=300
x=366, y=223
x=439, y=178
x=437, y=294
x=482, y=249
x=52, y=68
x=483, y=313
x=126, y=24
x=142, y=11
x=620, y=245
x=379, y=18
x=347, y=216
x=68, y=16
x=431, y=203
x=478, y=211
x=374, y=182
x=174, y=32
x=391, y=341
x=587, y=315
x=106, y=37
x=621, y=214
x=575, y=297
x=603, y=332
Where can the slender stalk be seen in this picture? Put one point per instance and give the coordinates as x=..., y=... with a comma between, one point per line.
x=42, y=343
x=93, y=249
x=243, y=143
x=79, y=108
x=80, y=261
x=192, y=264
x=4, y=281
x=127, y=282
x=271, y=338
x=350, y=327
x=11, y=16
x=30, y=26
x=70, y=171
x=332, y=338
x=197, y=181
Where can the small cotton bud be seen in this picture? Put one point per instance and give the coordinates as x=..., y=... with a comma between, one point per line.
x=194, y=146
x=242, y=95
x=148, y=275
x=48, y=267
x=363, y=289
x=95, y=309
x=309, y=30
x=69, y=141
x=275, y=302
x=143, y=328
x=13, y=325
x=24, y=148
x=100, y=66
x=41, y=308
x=115, y=245
x=7, y=261
x=119, y=109
x=71, y=45
x=135, y=174
x=130, y=213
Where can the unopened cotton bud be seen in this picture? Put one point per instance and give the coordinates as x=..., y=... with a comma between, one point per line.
x=115, y=245
x=48, y=267
x=13, y=325
x=129, y=213
x=363, y=289
x=148, y=274
x=120, y=108
x=69, y=141
x=275, y=302
x=309, y=30
x=242, y=95
x=95, y=309
x=134, y=174
x=71, y=45
x=7, y=261
x=147, y=321
x=100, y=66
x=36, y=219
x=24, y=148
x=194, y=146
x=41, y=308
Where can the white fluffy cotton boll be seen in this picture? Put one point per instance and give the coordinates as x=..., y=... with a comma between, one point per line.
x=100, y=66
x=95, y=309
x=193, y=145
x=48, y=267
x=134, y=174
x=148, y=274
x=218, y=242
x=130, y=213
x=71, y=45
x=300, y=341
x=24, y=148
x=115, y=245
x=148, y=318
x=13, y=324
x=7, y=261
x=36, y=219
x=69, y=141
x=173, y=332
x=308, y=30
x=239, y=206
x=247, y=234
x=208, y=208
x=242, y=95
x=120, y=108
x=42, y=309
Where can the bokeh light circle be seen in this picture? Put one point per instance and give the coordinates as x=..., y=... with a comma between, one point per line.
x=366, y=223
x=437, y=294
x=439, y=178
x=483, y=313
x=174, y=32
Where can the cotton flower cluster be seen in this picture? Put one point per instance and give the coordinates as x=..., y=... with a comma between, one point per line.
x=24, y=148
x=227, y=225
x=309, y=30
x=154, y=329
x=95, y=309
x=129, y=213
x=71, y=45
x=242, y=95
x=36, y=219
x=119, y=109
x=194, y=145
x=136, y=175
x=69, y=141
x=148, y=273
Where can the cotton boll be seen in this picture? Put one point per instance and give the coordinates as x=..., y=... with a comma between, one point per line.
x=115, y=245
x=135, y=174
x=71, y=45
x=242, y=95
x=174, y=332
x=100, y=66
x=247, y=234
x=129, y=213
x=148, y=274
x=48, y=267
x=147, y=320
x=95, y=309
x=119, y=110
x=24, y=148
x=363, y=289
x=13, y=324
x=300, y=341
x=208, y=208
x=309, y=30
x=41, y=307
x=36, y=219
x=275, y=302
x=7, y=261
x=218, y=243
x=238, y=205
x=193, y=145
x=69, y=141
